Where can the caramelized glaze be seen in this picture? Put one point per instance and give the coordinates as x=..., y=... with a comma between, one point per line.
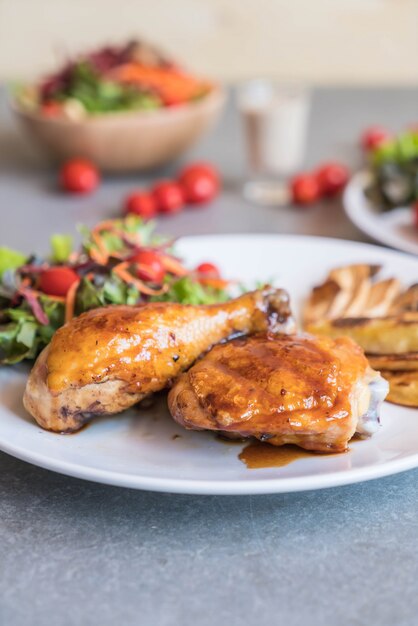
x=257, y=455
x=109, y=359
x=140, y=344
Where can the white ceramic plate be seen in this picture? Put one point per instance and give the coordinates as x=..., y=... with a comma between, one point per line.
x=392, y=228
x=140, y=449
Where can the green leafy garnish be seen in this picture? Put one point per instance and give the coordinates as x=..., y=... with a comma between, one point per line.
x=22, y=336
x=188, y=291
x=108, y=276
x=61, y=246
x=10, y=259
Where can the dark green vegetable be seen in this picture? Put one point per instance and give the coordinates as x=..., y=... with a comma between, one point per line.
x=10, y=259
x=394, y=167
x=99, y=95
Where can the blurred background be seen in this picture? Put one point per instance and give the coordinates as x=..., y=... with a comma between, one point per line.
x=369, y=42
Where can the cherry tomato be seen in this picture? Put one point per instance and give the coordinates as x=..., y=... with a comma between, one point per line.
x=79, y=176
x=200, y=183
x=140, y=203
x=373, y=137
x=168, y=196
x=56, y=281
x=332, y=178
x=150, y=266
x=305, y=189
x=415, y=213
x=208, y=269
x=51, y=108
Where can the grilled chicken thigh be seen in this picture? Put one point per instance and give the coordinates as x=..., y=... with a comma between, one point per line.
x=108, y=359
x=315, y=392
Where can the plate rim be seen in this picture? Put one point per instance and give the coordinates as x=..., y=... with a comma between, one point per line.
x=232, y=487
x=216, y=487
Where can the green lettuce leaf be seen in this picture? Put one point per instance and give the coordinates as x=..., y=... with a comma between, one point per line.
x=188, y=291
x=61, y=246
x=10, y=259
x=22, y=336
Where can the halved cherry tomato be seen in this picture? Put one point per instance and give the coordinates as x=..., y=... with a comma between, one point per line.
x=332, y=178
x=150, y=266
x=305, y=189
x=373, y=137
x=51, y=108
x=168, y=196
x=140, y=203
x=56, y=281
x=200, y=183
x=79, y=176
x=209, y=270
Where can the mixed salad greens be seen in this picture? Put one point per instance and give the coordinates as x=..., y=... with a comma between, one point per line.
x=135, y=76
x=394, y=167
x=121, y=261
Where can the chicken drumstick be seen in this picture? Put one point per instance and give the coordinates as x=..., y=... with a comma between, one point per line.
x=108, y=359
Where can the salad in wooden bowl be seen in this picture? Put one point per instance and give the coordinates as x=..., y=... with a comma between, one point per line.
x=127, y=107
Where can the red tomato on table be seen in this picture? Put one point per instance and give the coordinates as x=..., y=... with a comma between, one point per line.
x=168, y=196
x=305, y=189
x=140, y=203
x=332, y=177
x=79, y=176
x=200, y=183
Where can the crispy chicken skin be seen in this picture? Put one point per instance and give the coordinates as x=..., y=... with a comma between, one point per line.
x=315, y=392
x=108, y=359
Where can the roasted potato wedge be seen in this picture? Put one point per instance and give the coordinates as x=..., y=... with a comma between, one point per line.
x=352, y=291
x=403, y=387
x=394, y=362
x=389, y=335
x=407, y=301
x=381, y=297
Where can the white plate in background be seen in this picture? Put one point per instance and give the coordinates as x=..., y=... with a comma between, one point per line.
x=146, y=449
x=393, y=228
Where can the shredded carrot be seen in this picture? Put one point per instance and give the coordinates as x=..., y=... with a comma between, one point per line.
x=101, y=255
x=173, y=86
x=105, y=225
x=216, y=283
x=70, y=301
x=123, y=273
x=96, y=256
x=173, y=266
x=133, y=239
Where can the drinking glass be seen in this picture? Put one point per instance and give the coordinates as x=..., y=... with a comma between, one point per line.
x=275, y=120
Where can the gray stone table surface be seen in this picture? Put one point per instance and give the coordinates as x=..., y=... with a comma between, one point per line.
x=74, y=552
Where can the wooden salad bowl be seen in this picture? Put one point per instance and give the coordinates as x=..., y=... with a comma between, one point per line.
x=134, y=140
